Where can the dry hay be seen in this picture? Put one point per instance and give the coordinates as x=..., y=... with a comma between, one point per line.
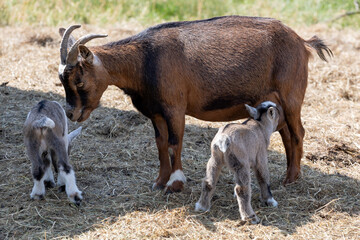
x=115, y=158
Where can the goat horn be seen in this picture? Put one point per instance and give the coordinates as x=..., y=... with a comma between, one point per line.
x=64, y=43
x=74, y=51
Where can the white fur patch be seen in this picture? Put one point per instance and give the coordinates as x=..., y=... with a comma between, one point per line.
x=49, y=176
x=38, y=189
x=61, y=69
x=272, y=202
x=70, y=183
x=96, y=61
x=49, y=123
x=223, y=143
x=200, y=208
x=178, y=175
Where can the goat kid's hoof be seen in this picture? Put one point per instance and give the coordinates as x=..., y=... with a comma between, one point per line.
x=200, y=208
x=271, y=202
x=37, y=196
x=76, y=198
x=61, y=189
x=252, y=219
x=49, y=184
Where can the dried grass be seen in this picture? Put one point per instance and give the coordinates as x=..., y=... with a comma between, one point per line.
x=115, y=158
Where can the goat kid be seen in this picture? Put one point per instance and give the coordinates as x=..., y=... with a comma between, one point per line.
x=241, y=147
x=47, y=140
x=207, y=69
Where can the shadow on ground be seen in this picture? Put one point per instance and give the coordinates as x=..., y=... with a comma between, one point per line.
x=115, y=160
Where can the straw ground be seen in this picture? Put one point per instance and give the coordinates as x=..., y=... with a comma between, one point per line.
x=115, y=157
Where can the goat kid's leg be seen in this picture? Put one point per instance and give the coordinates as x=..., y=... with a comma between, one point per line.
x=213, y=170
x=243, y=194
x=38, y=191
x=48, y=176
x=176, y=126
x=297, y=133
x=161, y=134
x=67, y=176
x=263, y=177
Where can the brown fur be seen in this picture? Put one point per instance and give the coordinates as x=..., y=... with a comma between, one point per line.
x=206, y=69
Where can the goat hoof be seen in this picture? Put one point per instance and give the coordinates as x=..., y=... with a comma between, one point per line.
x=61, y=189
x=289, y=180
x=37, y=197
x=156, y=186
x=291, y=177
x=76, y=198
x=176, y=186
x=49, y=184
x=255, y=220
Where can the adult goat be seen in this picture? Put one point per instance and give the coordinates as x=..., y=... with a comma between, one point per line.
x=207, y=69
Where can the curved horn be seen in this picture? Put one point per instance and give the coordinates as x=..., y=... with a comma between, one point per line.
x=74, y=51
x=64, y=43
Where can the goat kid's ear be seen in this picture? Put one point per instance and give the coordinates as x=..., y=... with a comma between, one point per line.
x=74, y=134
x=71, y=40
x=86, y=54
x=252, y=111
x=271, y=113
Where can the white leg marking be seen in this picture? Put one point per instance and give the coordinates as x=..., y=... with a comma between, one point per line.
x=49, y=176
x=60, y=179
x=178, y=175
x=38, y=190
x=272, y=202
x=200, y=208
x=72, y=191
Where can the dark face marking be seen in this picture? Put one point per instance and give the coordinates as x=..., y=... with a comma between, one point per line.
x=69, y=93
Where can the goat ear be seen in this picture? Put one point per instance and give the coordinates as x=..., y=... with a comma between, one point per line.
x=71, y=40
x=271, y=113
x=74, y=134
x=252, y=111
x=86, y=54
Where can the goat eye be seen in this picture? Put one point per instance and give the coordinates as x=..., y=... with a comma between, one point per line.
x=80, y=84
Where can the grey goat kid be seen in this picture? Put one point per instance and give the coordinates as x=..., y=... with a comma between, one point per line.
x=47, y=140
x=241, y=147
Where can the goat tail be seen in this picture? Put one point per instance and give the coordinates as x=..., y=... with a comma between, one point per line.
x=316, y=43
x=223, y=143
x=44, y=122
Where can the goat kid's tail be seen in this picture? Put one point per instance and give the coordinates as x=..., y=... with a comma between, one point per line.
x=316, y=43
x=223, y=143
x=44, y=122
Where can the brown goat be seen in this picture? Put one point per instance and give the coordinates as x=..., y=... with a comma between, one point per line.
x=207, y=69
